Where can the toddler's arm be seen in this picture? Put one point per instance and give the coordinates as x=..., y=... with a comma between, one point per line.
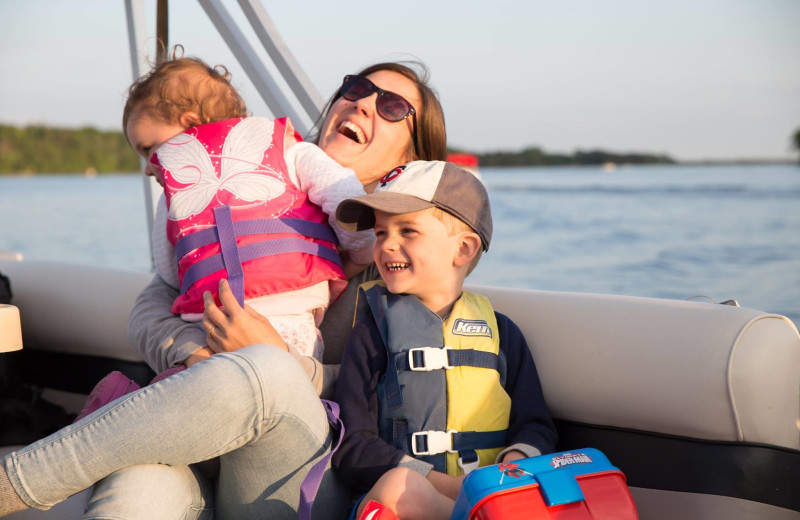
x=327, y=184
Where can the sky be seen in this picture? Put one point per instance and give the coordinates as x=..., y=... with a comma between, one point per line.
x=708, y=79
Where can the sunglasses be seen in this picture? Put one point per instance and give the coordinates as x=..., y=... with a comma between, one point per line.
x=390, y=106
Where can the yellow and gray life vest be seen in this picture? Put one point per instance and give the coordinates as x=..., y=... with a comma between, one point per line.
x=441, y=399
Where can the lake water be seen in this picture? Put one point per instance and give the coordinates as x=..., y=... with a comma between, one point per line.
x=679, y=232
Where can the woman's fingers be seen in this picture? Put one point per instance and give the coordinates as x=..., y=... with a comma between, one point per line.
x=228, y=300
x=213, y=315
x=215, y=323
x=234, y=327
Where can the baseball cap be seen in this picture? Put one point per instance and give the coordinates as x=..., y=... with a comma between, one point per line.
x=421, y=185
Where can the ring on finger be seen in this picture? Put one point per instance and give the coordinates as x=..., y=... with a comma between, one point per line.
x=211, y=330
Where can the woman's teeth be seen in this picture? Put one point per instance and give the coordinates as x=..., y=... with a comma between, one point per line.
x=353, y=132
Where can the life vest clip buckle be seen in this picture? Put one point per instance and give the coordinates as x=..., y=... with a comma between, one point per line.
x=432, y=442
x=467, y=467
x=429, y=358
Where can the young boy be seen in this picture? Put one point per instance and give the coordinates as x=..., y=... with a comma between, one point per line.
x=433, y=382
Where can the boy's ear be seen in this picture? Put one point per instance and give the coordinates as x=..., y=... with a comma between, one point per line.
x=468, y=247
x=189, y=119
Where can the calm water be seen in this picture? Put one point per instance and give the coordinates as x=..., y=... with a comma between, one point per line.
x=673, y=232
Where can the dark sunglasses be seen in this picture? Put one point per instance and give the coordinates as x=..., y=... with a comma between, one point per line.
x=390, y=106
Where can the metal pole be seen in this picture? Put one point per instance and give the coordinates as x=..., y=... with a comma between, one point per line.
x=162, y=31
x=244, y=52
x=137, y=42
x=287, y=64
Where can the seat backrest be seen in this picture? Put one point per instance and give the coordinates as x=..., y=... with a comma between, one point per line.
x=683, y=368
x=75, y=309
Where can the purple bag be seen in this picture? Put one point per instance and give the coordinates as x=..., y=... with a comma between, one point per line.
x=115, y=385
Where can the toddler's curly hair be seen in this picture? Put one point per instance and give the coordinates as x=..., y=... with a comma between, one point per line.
x=181, y=85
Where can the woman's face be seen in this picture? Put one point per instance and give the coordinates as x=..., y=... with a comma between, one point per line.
x=356, y=137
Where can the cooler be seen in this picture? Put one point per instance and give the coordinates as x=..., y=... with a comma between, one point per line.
x=571, y=485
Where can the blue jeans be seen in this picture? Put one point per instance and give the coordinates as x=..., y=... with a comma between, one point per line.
x=254, y=409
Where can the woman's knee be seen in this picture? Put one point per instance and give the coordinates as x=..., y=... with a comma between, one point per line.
x=171, y=492
x=268, y=363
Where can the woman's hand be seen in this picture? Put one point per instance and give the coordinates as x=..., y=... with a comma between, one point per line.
x=234, y=327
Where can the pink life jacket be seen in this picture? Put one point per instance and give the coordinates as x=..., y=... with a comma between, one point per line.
x=234, y=213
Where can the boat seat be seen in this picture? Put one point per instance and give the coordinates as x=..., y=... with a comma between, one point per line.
x=697, y=403
x=74, y=323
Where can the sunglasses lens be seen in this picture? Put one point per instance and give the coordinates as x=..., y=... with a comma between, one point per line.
x=356, y=87
x=393, y=107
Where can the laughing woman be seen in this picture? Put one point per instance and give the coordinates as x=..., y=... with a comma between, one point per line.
x=233, y=436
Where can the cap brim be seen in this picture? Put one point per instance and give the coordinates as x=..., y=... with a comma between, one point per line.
x=358, y=214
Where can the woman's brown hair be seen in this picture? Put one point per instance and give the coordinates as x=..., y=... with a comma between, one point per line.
x=431, y=132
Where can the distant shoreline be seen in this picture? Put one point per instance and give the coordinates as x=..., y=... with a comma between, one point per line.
x=35, y=149
x=606, y=167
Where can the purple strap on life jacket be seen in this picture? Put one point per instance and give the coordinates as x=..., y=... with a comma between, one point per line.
x=255, y=250
x=260, y=226
x=310, y=485
x=230, y=251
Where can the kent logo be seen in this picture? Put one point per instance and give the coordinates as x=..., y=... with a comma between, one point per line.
x=472, y=328
x=570, y=458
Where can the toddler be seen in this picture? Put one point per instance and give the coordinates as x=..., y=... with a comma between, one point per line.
x=246, y=200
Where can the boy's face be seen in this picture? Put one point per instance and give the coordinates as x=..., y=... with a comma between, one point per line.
x=146, y=134
x=414, y=254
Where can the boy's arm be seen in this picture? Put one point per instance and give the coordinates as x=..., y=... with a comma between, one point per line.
x=531, y=431
x=364, y=456
x=445, y=484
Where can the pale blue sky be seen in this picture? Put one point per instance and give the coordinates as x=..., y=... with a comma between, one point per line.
x=691, y=78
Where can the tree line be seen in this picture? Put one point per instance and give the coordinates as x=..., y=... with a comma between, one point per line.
x=41, y=149
x=538, y=157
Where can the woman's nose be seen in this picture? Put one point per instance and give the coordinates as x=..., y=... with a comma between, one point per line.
x=366, y=105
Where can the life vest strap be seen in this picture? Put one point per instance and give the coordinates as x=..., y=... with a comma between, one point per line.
x=264, y=248
x=468, y=460
x=230, y=251
x=425, y=359
x=433, y=442
x=259, y=226
x=432, y=358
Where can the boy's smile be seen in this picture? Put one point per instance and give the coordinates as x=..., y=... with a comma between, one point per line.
x=414, y=253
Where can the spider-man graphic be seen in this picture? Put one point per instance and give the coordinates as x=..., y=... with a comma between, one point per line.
x=511, y=469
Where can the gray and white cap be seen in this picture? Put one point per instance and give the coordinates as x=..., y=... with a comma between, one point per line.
x=421, y=185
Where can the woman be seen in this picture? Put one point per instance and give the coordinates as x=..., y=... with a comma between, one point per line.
x=253, y=410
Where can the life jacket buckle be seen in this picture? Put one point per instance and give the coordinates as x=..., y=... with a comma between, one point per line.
x=432, y=359
x=466, y=467
x=432, y=442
